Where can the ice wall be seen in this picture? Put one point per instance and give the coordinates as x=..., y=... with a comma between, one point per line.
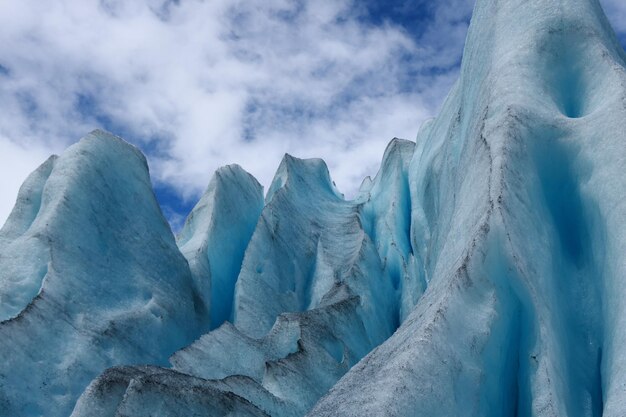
x=480, y=273
x=314, y=295
x=90, y=277
x=518, y=198
x=215, y=237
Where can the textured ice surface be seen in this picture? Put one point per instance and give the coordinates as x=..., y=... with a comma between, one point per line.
x=149, y=391
x=519, y=222
x=480, y=273
x=90, y=278
x=215, y=236
x=318, y=253
x=386, y=216
x=315, y=294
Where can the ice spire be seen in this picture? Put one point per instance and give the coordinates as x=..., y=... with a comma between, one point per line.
x=518, y=221
x=216, y=235
x=90, y=277
x=496, y=243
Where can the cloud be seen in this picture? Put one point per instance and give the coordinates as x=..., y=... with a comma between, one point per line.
x=616, y=12
x=199, y=84
x=16, y=162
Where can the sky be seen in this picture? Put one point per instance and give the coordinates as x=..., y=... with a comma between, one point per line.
x=200, y=84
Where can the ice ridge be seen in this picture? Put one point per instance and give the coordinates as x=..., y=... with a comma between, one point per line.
x=520, y=213
x=479, y=273
x=91, y=278
x=312, y=298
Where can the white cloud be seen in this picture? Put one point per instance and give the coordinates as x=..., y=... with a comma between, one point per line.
x=16, y=162
x=616, y=12
x=199, y=84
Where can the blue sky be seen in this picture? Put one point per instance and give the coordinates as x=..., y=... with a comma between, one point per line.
x=200, y=84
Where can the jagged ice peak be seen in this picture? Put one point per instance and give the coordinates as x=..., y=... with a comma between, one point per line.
x=481, y=272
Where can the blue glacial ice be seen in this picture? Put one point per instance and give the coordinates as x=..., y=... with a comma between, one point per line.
x=479, y=273
x=519, y=223
x=91, y=278
x=314, y=295
x=215, y=237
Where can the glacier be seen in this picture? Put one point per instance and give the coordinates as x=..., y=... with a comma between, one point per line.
x=479, y=273
x=91, y=278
